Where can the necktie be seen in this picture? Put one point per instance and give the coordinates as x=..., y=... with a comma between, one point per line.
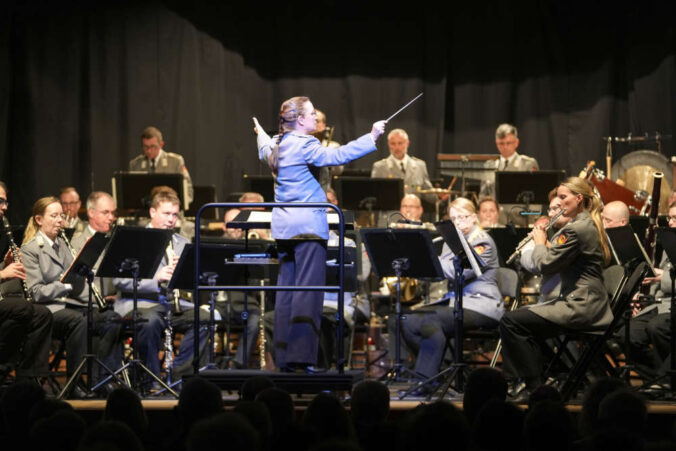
x=504, y=167
x=152, y=166
x=55, y=246
x=403, y=168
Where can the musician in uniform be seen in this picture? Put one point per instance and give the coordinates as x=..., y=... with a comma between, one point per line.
x=483, y=305
x=650, y=329
x=70, y=201
x=301, y=233
x=25, y=327
x=152, y=295
x=579, y=253
x=101, y=214
x=46, y=257
x=615, y=214
x=401, y=165
x=411, y=208
x=507, y=141
x=157, y=160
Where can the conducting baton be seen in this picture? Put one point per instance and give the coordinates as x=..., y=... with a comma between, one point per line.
x=404, y=107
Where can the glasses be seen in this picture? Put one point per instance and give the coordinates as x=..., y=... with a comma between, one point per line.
x=553, y=209
x=672, y=218
x=56, y=216
x=4, y=202
x=460, y=218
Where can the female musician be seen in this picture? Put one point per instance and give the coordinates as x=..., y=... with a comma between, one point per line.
x=295, y=156
x=46, y=257
x=483, y=305
x=578, y=252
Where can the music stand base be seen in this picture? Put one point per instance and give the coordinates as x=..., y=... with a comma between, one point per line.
x=134, y=366
x=447, y=375
x=89, y=389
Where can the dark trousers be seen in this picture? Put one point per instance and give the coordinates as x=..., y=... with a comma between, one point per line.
x=150, y=337
x=233, y=314
x=659, y=331
x=428, y=332
x=70, y=326
x=645, y=357
x=523, y=339
x=298, y=314
x=25, y=331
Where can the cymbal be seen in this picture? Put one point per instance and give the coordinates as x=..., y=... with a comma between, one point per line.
x=436, y=191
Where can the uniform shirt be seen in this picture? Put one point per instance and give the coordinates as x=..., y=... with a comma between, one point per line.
x=165, y=163
x=480, y=294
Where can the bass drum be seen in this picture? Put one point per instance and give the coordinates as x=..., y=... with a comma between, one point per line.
x=610, y=191
x=636, y=169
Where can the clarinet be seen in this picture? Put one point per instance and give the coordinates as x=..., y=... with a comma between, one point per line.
x=528, y=238
x=95, y=291
x=15, y=255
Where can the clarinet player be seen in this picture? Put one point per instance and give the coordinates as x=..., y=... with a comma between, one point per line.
x=295, y=156
x=25, y=327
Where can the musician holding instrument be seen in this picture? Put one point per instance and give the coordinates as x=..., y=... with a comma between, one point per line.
x=301, y=233
x=652, y=326
x=46, y=257
x=152, y=295
x=25, y=327
x=579, y=253
x=483, y=305
x=101, y=213
x=489, y=212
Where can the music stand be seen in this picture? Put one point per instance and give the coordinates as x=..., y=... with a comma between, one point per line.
x=136, y=253
x=261, y=184
x=214, y=269
x=82, y=268
x=401, y=253
x=518, y=187
x=361, y=193
x=131, y=190
x=465, y=258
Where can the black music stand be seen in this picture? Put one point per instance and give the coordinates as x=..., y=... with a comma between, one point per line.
x=465, y=258
x=361, y=193
x=214, y=269
x=82, y=268
x=131, y=190
x=136, y=253
x=261, y=184
x=401, y=253
x=628, y=252
x=518, y=187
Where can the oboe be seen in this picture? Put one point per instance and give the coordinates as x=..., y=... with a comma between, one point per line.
x=15, y=255
x=528, y=238
x=95, y=291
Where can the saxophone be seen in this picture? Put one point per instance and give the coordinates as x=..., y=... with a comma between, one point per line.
x=17, y=258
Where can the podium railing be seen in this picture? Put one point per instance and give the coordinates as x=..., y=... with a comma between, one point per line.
x=340, y=358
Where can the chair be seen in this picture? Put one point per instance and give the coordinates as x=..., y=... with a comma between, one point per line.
x=510, y=287
x=620, y=301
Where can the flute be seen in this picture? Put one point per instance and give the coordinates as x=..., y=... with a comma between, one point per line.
x=528, y=238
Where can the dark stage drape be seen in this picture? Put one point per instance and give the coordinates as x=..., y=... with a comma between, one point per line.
x=79, y=81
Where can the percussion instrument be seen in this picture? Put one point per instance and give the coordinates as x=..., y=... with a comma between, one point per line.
x=609, y=191
x=637, y=170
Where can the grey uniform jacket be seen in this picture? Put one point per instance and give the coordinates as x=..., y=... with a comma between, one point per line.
x=520, y=163
x=168, y=163
x=44, y=268
x=577, y=255
x=480, y=294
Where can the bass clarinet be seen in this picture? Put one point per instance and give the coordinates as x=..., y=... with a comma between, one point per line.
x=528, y=238
x=16, y=256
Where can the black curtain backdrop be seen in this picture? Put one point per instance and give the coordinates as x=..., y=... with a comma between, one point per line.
x=79, y=81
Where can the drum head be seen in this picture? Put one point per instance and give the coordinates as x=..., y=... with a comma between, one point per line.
x=636, y=169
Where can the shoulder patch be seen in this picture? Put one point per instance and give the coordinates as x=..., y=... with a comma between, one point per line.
x=479, y=249
x=562, y=238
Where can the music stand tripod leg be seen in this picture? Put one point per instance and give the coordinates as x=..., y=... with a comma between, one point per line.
x=89, y=359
